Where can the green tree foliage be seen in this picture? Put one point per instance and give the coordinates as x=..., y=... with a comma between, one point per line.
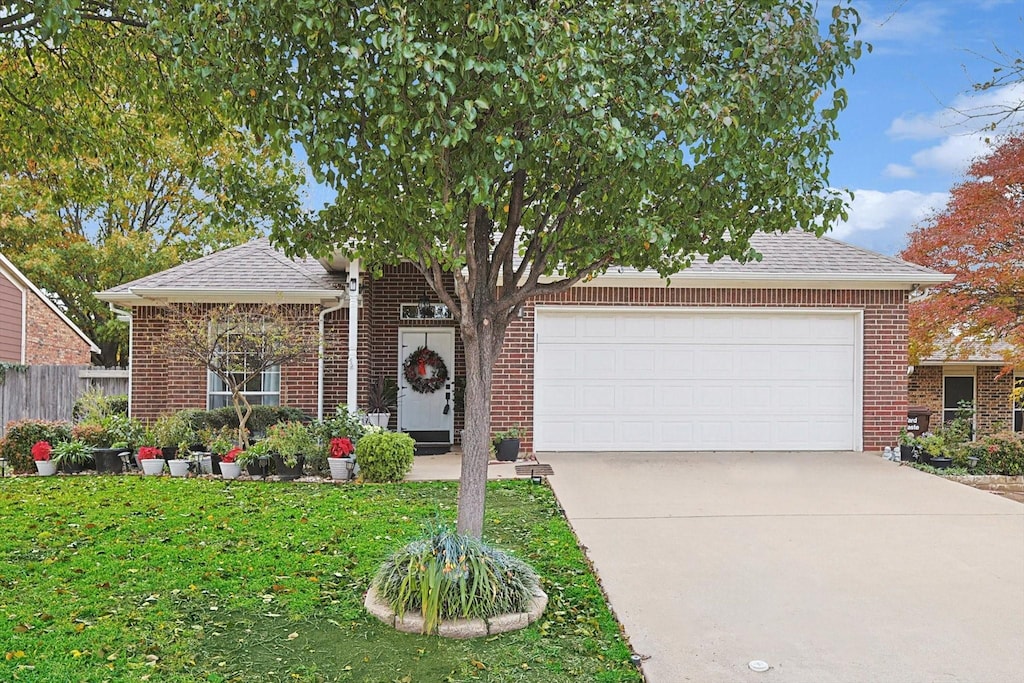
x=109, y=170
x=525, y=146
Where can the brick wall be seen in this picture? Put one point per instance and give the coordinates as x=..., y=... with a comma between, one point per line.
x=925, y=389
x=994, y=410
x=885, y=345
x=162, y=383
x=49, y=340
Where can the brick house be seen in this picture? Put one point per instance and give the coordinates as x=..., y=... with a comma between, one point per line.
x=981, y=379
x=804, y=350
x=33, y=331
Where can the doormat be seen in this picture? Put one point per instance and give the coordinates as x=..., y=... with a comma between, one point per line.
x=536, y=468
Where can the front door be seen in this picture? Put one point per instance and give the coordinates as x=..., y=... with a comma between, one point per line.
x=428, y=416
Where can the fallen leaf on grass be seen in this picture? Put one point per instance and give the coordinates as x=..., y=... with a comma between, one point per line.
x=293, y=636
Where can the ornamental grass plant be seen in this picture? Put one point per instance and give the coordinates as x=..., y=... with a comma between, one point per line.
x=451, y=576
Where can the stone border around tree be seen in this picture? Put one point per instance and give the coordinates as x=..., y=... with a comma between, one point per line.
x=461, y=629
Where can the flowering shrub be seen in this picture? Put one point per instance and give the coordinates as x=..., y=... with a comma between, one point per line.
x=1001, y=453
x=230, y=456
x=150, y=453
x=16, y=445
x=41, y=450
x=341, y=447
x=90, y=433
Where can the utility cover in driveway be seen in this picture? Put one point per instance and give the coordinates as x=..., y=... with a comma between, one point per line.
x=651, y=379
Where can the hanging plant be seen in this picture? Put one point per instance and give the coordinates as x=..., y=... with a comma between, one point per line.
x=425, y=371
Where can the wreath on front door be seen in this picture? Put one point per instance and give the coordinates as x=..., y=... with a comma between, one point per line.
x=425, y=371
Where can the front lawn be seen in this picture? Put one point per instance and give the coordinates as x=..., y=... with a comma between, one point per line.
x=126, y=578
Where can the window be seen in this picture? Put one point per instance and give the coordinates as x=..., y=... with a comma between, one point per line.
x=958, y=391
x=263, y=389
x=1018, y=403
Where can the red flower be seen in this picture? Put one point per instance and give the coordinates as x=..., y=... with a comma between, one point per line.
x=150, y=453
x=341, y=447
x=41, y=450
x=230, y=456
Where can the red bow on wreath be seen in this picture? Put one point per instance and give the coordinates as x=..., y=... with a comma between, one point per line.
x=417, y=371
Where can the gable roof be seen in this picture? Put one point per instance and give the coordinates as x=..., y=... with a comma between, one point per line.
x=19, y=279
x=249, y=272
x=256, y=271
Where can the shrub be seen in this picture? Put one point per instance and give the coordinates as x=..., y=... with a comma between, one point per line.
x=290, y=440
x=385, y=456
x=259, y=422
x=450, y=576
x=94, y=405
x=1001, y=453
x=16, y=446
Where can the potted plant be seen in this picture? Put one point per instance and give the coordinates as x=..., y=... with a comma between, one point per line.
x=934, y=449
x=151, y=460
x=229, y=469
x=289, y=442
x=907, y=443
x=340, y=458
x=218, y=442
x=170, y=432
x=255, y=459
x=41, y=451
x=381, y=401
x=179, y=465
x=506, y=444
x=72, y=456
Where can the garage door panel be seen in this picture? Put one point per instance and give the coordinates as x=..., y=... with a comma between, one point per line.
x=695, y=380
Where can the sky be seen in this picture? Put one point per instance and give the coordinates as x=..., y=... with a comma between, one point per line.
x=903, y=144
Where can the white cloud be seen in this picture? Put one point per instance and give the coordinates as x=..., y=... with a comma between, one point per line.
x=907, y=23
x=899, y=171
x=954, y=154
x=966, y=114
x=893, y=212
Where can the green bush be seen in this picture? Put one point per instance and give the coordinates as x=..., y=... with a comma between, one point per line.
x=16, y=446
x=290, y=440
x=94, y=405
x=261, y=419
x=449, y=576
x=385, y=456
x=1001, y=453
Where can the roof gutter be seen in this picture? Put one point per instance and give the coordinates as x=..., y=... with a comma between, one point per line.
x=141, y=296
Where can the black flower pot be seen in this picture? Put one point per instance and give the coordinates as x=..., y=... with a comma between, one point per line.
x=507, y=450
x=906, y=453
x=215, y=464
x=286, y=472
x=108, y=460
x=255, y=469
x=169, y=452
x=71, y=467
x=940, y=463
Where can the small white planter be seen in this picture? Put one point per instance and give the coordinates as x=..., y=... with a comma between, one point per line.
x=341, y=468
x=46, y=468
x=378, y=419
x=152, y=467
x=230, y=470
x=179, y=468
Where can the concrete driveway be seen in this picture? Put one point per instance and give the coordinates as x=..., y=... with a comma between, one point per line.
x=827, y=566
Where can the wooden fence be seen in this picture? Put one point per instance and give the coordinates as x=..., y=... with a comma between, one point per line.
x=48, y=392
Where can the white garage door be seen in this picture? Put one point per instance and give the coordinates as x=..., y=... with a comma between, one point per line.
x=669, y=379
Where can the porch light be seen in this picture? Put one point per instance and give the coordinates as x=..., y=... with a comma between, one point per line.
x=426, y=309
x=353, y=284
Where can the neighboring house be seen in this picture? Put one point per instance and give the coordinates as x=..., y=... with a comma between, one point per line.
x=33, y=331
x=804, y=350
x=941, y=384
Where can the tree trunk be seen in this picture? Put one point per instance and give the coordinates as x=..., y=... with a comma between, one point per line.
x=239, y=400
x=479, y=346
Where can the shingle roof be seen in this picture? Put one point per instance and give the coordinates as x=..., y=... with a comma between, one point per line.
x=802, y=253
x=253, y=266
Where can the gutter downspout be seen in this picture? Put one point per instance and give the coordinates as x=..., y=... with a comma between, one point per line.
x=127, y=316
x=320, y=359
x=352, y=381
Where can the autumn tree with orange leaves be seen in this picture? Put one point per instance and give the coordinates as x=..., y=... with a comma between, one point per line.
x=978, y=238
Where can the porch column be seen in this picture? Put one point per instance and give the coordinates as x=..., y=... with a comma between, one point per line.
x=352, y=381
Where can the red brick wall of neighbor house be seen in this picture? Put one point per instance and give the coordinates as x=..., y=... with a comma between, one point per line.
x=925, y=389
x=885, y=346
x=163, y=384
x=10, y=321
x=994, y=410
x=49, y=340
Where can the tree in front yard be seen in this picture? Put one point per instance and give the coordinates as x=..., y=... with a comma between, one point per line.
x=522, y=148
x=978, y=238
x=238, y=343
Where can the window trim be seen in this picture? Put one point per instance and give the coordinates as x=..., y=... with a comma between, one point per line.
x=254, y=397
